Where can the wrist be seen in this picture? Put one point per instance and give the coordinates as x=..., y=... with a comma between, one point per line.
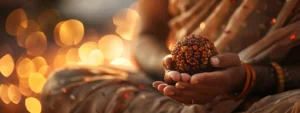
x=242, y=79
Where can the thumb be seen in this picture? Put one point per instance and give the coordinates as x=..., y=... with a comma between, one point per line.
x=167, y=62
x=225, y=60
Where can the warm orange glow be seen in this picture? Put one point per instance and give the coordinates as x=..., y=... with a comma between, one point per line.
x=45, y=70
x=273, y=21
x=24, y=87
x=202, y=25
x=14, y=94
x=15, y=20
x=36, y=44
x=39, y=62
x=47, y=18
x=111, y=46
x=36, y=82
x=25, y=68
x=122, y=62
x=56, y=34
x=126, y=22
x=59, y=61
x=96, y=57
x=71, y=32
x=4, y=93
x=33, y=105
x=72, y=56
x=85, y=50
x=24, y=32
x=7, y=65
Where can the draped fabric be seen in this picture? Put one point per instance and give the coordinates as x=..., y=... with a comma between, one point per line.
x=109, y=90
x=255, y=29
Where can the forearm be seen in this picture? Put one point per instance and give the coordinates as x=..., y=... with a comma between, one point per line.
x=150, y=46
x=149, y=53
x=266, y=82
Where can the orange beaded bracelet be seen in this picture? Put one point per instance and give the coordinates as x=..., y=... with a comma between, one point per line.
x=250, y=81
x=280, y=77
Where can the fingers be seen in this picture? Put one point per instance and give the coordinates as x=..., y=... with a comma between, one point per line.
x=200, y=88
x=185, y=77
x=157, y=83
x=167, y=62
x=225, y=60
x=186, y=96
x=174, y=76
x=161, y=87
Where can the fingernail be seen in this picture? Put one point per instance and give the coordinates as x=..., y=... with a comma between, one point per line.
x=215, y=60
x=170, y=93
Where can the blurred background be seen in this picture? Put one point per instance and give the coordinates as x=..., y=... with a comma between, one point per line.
x=39, y=36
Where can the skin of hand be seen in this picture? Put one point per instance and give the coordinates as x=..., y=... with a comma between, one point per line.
x=202, y=88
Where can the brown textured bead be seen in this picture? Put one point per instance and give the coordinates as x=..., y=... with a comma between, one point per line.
x=192, y=53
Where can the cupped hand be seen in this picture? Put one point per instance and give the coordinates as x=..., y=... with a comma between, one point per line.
x=204, y=87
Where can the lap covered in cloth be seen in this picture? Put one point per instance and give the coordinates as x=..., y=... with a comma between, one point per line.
x=106, y=89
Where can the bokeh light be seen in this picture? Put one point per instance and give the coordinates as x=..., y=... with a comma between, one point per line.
x=95, y=57
x=7, y=65
x=14, y=20
x=14, y=94
x=36, y=44
x=72, y=56
x=36, y=82
x=111, y=46
x=24, y=32
x=45, y=70
x=85, y=50
x=71, y=32
x=24, y=87
x=56, y=34
x=33, y=105
x=25, y=68
x=126, y=22
x=4, y=94
x=202, y=25
x=39, y=62
x=122, y=62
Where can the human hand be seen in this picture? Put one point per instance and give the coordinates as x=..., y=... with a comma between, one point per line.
x=204, y=87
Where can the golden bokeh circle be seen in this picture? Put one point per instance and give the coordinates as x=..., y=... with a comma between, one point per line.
x=85, y=50
x=36, y=82
x=33, y=105
x=14, y=20
x=24, y=32
x=71, y=32
x=36, y=44
x=56, y=34
x=111, y=46
x=39, y=62
x=4, y=93
x=72, y=56
x=7, y=65
x=25, y=68
x=14, y=94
